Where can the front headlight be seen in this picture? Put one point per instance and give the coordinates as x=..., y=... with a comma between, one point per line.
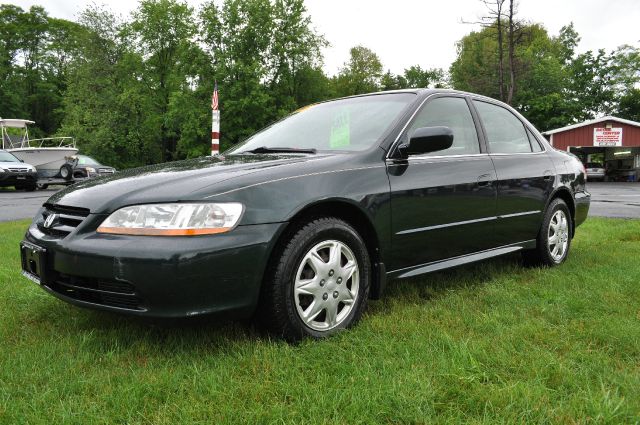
x=90, y=169
x=173, y=219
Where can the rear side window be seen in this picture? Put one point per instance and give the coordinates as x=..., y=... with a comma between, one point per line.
x=452, y=112
x=505, y=132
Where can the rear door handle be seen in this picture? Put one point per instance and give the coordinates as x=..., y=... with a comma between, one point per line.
x=485, y=180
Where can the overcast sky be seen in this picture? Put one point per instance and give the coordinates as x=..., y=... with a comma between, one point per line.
x=408, y=32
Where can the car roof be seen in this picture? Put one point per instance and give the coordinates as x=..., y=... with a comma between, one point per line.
x=426, y=92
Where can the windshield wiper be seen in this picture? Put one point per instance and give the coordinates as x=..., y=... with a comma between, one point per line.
x=264, y=149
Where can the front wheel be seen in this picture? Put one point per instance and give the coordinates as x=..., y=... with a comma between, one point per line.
x=319, y=283
x=554, y=238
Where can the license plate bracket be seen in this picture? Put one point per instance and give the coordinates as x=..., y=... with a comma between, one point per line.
x=33, y=259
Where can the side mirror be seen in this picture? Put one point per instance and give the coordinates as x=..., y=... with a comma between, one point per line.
x=22, y=160
x=428, y=139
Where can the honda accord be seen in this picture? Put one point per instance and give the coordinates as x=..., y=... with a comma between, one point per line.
x=302, y=223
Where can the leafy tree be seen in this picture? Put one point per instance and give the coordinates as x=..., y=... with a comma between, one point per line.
x=107, y=106
x=474, y=68
x=591, y=84
x=552, y=87
x=267, y=61
x=629, y=105
x=35, y=51
x=162, y=32
x=10, y=82
x=361, y=74
x=390, y=81
x=415, y=76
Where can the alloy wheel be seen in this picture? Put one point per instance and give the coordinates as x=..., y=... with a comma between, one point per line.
x=326, y=285
x=558, y=236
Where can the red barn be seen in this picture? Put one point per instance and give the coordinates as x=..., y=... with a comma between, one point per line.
x=610, y=142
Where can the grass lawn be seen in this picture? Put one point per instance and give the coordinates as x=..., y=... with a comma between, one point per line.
x=485, y=343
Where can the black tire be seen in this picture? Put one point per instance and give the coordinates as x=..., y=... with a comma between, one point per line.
x=19, y=187
x=279, y=306
x=543, y=254
x=66, y=171
x=42, y=186
x=30, y=187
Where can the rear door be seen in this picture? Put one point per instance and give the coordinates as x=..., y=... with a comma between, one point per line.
x=443, y=203
x=524, y=170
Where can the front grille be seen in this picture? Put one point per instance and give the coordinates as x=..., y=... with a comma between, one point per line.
x=109, y=293
x=66, y=219
x=105, y=170
x=18, y=170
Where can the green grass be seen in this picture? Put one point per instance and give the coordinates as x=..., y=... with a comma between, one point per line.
x=486, y=343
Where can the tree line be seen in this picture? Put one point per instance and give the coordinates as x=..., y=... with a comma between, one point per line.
x=137, y=90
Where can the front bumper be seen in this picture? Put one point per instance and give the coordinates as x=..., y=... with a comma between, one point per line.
x=157, y=276
x=18, y=178
x=83, y=173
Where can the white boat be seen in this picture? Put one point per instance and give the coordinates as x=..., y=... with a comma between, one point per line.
x=48, y=155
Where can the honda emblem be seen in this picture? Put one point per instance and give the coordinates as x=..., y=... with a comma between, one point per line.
x=48, y=222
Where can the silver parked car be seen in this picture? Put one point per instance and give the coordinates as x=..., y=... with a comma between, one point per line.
x=595, y=171
x=17, y=173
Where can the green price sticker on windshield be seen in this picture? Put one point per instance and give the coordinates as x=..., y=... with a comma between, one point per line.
x=340, y=134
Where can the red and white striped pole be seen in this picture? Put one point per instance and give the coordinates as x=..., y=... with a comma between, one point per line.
x=215, y=133
x=215, y=123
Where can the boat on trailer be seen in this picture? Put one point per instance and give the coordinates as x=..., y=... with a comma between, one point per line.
x=51, y=155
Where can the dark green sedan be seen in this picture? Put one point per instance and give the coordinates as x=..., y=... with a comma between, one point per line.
x=302, y=223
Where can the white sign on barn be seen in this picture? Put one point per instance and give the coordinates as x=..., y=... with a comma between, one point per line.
x=607, y=136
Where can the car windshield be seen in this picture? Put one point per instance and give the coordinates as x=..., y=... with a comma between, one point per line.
x=594, y=165
x=7, y=157
x=352, y=124
x=87, y=160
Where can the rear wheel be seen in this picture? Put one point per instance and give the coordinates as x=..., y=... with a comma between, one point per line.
x=41, y=186
x=319, y=283
x=554, y=238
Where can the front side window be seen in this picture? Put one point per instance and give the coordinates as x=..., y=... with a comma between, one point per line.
x=351, y=124
x=505, y=132
x=452, y=112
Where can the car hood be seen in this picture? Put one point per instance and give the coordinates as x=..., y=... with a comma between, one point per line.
x=168, y=182
x=7, y=164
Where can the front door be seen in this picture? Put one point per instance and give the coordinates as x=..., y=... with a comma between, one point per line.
x=443, y=203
